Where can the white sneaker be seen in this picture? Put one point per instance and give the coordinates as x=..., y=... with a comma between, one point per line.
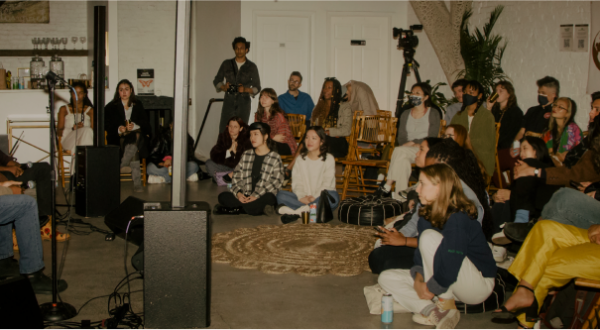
x=421, y=319
x=193, y=177
x=506, y=263
x=499, y=253
x=288, y=210
x=156, y=179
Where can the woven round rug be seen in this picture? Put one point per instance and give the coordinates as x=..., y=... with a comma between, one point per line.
x=308, y=250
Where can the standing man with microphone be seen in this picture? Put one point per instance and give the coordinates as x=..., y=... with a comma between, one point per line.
x=238, y=78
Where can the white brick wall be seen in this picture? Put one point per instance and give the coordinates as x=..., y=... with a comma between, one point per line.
x=147, y=40
x=67, y=19
x=532, y=31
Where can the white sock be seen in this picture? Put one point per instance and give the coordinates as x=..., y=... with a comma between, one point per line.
x=387, y=187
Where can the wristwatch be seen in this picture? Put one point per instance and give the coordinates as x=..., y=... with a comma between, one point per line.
x=536, y=172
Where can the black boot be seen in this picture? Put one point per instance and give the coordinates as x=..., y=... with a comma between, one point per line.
x=289, y=218
x=220, y=209
x=44, y=220
x=9, y=267
x=43, y=284
x=381, y=192
x=517, y=232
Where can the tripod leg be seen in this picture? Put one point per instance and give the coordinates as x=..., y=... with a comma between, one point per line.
x=405, y=71
x=416, y=68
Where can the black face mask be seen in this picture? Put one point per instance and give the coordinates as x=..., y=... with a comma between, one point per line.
x=542, y=99
x=469, y=99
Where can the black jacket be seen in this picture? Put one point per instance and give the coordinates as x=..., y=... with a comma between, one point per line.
x=511, y=124
x=162, y=146
x=114, y=116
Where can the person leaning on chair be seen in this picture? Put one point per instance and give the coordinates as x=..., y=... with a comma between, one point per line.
x=128, y=127
x=241, y=73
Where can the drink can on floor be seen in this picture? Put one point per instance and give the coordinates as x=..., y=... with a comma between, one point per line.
x=387, y=308
x=313, y=213
x=229, y=186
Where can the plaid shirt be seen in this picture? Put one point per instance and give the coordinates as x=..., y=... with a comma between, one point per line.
x=271, y=177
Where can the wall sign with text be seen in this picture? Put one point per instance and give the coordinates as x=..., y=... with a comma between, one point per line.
x=145, y=81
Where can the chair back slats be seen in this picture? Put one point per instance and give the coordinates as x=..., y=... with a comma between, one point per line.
x=297, y=125
x=372, y=130
x=442, y=128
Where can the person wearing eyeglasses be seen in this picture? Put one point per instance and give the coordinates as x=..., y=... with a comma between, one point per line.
x=295, y=101
x=563, y=134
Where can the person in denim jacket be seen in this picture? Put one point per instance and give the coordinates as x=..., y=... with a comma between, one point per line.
x=240, y=72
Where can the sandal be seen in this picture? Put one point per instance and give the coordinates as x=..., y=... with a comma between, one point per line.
x=505, y=316
x=46, y=232
x=15, y=245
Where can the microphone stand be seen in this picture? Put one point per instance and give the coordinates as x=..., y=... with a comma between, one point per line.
x=56, y=310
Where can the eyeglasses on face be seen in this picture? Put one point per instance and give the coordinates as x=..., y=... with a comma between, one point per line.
x=555, y=105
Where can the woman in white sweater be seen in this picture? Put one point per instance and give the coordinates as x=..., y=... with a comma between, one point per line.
x=314, y=172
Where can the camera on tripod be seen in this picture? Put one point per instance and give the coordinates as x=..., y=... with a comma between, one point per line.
x=233, y=88
x=407, y=38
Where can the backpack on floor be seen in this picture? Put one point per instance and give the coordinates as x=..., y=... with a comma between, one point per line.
x=571, y=307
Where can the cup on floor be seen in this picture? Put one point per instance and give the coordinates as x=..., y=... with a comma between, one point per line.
x=305, y=217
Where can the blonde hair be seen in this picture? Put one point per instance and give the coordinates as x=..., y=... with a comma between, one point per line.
x=451, y=197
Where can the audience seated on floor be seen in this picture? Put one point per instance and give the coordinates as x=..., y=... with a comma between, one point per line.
x=509, y=115
x=420, y=122
x=535, y=120
x=459, y=134
x=257, y=177
x=313, y=176
x=562, y=134
x=161, y=158
x=271, y=114
x=453, y=261
x=552, y=255
x=128, y=127
x=479, y=122
x=361, y=98
x=76, y=120
x=458, y=89
x=231, y=144
x=295, y=101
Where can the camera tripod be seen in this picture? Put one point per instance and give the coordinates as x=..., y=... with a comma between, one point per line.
x=409, y=62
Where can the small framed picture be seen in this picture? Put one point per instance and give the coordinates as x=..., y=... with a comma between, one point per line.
x=23, y=72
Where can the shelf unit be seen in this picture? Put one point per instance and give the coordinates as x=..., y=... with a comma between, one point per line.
x=43, y=52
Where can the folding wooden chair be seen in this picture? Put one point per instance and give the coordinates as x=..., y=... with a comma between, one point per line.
x=297, y=125
x=374, y=130
x=127, y=176
x=490, y=188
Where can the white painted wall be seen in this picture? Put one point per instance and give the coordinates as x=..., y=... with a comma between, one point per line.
x=532, y=31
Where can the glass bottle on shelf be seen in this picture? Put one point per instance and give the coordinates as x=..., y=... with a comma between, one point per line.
x=36, y=72
x=58, y=66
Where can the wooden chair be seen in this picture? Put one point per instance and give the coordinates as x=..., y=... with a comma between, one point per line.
x=498, y=172
x=377, y=130
x=297, y=125
x=384, y=113
x=127, y=176
x=61, y=161
x=442, y=130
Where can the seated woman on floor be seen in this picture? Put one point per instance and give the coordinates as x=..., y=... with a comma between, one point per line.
x=563, y=134
x=313, y=173
x=420, y=122
x=128, y=127
x=270, y=113
x=76, y=120
x=552, y=255
x=459, y=134
x=231, y=144
x=479, y=122
x=161, y=158
x=256, y=179
x=453, y=260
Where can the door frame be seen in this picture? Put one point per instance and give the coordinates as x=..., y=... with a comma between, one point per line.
x=286, y=13
x=331, y=14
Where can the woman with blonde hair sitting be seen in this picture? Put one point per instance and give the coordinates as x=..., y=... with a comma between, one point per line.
x=563, y=134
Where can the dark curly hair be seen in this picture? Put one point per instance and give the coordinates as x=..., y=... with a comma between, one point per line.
x=324, y=146
x=240, y=40
x=336, y=97
x=465, y=164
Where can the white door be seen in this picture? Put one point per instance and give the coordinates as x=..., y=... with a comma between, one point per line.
x=282, y=46
x=368, y=63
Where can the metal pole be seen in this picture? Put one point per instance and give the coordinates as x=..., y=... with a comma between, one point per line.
x=99, y=73
x=180, y=107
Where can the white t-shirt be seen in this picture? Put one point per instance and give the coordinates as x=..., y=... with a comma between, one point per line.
x=470, y=118
x=128, y=116
x=417, y=128
x=239, y=64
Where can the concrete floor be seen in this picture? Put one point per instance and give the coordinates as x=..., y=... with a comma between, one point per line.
x=240, y=298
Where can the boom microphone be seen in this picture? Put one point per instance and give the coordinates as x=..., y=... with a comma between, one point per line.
x=54, y=77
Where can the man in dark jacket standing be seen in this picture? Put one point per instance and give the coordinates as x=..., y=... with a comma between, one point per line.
x=241, y=75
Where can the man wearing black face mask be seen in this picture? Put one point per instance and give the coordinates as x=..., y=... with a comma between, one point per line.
x=536, y=118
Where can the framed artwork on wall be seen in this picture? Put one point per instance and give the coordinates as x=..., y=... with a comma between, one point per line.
x=13, y=11
x=23, y=72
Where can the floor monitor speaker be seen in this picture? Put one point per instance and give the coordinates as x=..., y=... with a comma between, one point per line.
x=19, y=307
x=118, y=220
x=176, y=266
x=98, y=189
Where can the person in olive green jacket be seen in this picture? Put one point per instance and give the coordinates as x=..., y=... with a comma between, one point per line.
x=480, y=124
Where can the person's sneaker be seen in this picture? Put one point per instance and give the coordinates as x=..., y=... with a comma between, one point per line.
x=288, y=210
x=421, y=319
x=193, y=178
x=500, y=239
x=444, y=315
x=499, y=253
x=227, y=178
x=126, y=169
x=269, y=210
x=506, y=263
x=220, y=209
x=156, y=179
x=381, y=192
x=289, y=218
x=517, y=232
x=9, y=267
x=42, y=284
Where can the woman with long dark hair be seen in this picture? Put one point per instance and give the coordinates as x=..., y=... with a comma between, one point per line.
x=269, y=112
x=326, y=111
x=453, y=259
x=562, y=134
x=479, y=122
x=231, y=144
x=128, y=127
x=76, y=120
x=314, y=172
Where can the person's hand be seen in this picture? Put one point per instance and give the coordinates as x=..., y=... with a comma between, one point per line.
x=130, y=126
x=583, y=185
x=514, y=152
x=250, y=199
x=15, y=170
x=225, y=87
x=241, y=197
x=592, y=194
x=305, y=200
x=122, y=129
x=421, y=288
x=391, y=237
x=594, y=234
x=167, y=163
x=489, y=105
x=409, y=144
x=10, y=183
x=502, y=196
x=326, y=132
x=241, y=88
x=522, y=170
x=233, y=147
x=279, y=138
